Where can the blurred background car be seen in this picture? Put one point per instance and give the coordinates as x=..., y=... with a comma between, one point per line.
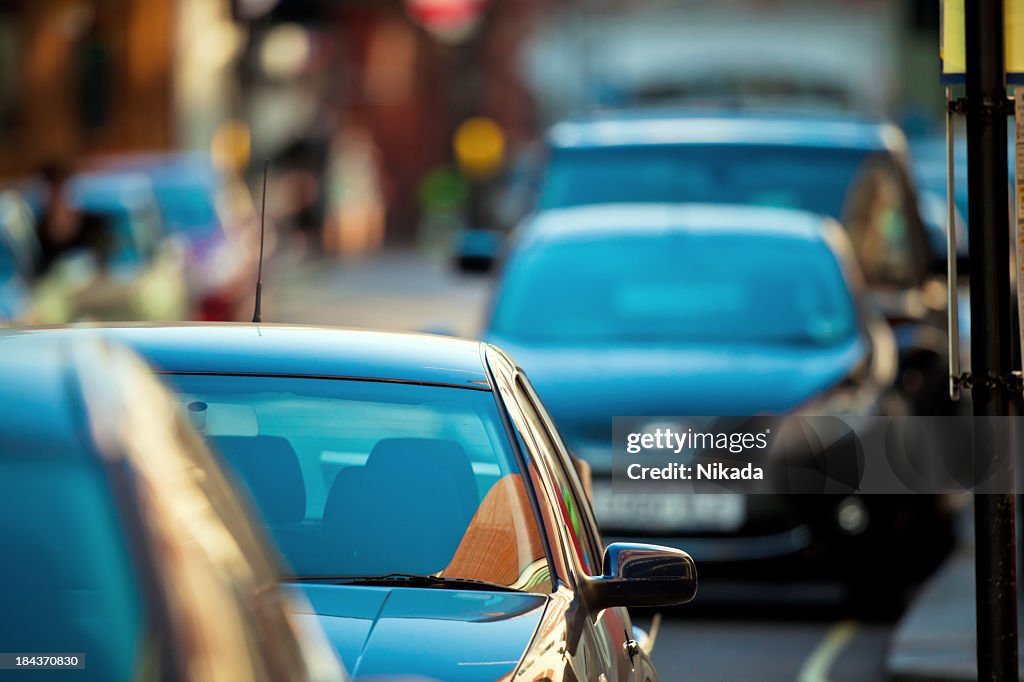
x=122, y=534
x=421, y=497
x=651, y=309
x=121, y=264
x=851, y=168
x=213, y=212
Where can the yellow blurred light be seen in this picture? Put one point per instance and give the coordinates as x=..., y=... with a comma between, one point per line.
x=479, y=146
x=231, y=145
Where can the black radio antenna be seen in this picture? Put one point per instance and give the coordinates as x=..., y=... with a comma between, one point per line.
x=257, y=315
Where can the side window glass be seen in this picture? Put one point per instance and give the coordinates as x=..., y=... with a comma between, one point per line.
x=570, y=507
x=875, y=217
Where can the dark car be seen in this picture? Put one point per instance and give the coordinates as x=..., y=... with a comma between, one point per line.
x=126, y=552
x=422, y=498
x=849, y=167
x=697, y=311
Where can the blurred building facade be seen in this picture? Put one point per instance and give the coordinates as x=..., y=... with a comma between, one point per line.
x=80, y=78
x=362, y=98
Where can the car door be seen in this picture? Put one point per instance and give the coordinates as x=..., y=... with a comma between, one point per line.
x=605, y=636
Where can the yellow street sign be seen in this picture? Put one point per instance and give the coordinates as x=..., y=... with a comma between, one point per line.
x=953, y=54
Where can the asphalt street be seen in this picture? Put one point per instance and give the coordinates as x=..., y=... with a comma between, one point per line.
x=734, y=632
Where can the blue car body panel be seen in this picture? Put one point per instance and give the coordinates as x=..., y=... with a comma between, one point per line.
x=451, y=635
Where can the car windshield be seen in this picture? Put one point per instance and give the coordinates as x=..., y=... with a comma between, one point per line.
x=723, y=289
x=368, y=478
x=811, y=179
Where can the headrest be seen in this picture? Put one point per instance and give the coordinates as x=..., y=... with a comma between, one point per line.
x=397, y=513
x=270, y=469
x=428, y=458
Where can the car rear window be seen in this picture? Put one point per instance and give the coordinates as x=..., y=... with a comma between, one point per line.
x=814, y=179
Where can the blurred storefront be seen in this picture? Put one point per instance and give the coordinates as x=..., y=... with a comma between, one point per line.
x=357, y=102
x=394, y=79
x=83, y=78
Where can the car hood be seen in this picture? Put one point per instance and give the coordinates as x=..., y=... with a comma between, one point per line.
x=450, y=635
x=585, y=386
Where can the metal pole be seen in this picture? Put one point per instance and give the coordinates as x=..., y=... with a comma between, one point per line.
x=952, y=278
x=992, y=333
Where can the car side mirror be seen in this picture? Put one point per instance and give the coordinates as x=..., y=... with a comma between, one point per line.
x=638, y=575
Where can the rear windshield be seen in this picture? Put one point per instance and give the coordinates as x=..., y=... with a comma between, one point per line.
x=812, y=179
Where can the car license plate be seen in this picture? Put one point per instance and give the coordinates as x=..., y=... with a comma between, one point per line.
x=641, y=512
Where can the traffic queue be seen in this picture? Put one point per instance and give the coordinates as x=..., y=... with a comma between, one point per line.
x=162, y=236
x=389, y=505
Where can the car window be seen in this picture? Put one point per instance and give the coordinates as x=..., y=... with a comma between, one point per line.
x=675, y=287
x=812, y=179
x=566, y=468
x=128, y=234
x=188, y=207
x=875, y=215
x=571, y=505
x=360, y=478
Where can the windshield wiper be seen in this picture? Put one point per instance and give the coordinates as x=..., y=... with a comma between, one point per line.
x=404, y=580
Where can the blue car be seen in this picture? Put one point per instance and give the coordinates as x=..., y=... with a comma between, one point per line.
x=632, y=310
x=133, y=271
x=127, y=555
x=851, y=168
x=422, y=498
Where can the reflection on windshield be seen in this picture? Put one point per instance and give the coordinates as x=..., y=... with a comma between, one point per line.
x=371, y=479
x=676, y=288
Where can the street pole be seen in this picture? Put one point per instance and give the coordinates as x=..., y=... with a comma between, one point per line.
x=992, y=333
